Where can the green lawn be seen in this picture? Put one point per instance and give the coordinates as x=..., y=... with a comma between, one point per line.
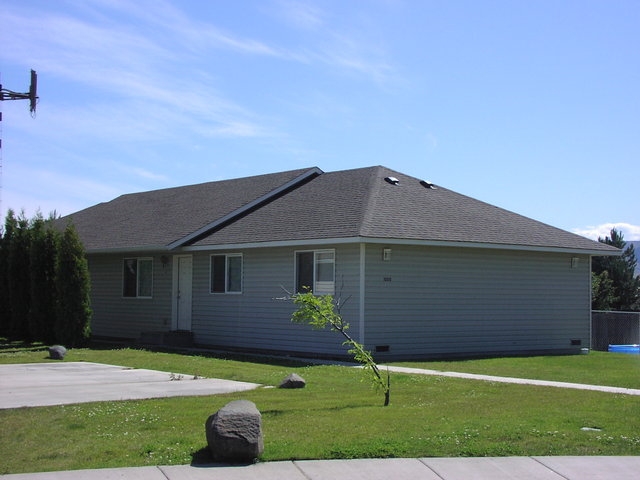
x=337, y=415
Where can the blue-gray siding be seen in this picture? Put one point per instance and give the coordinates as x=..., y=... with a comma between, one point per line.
x=430, y=301
x=116, y=316
x=425, y=301
x=255, y=319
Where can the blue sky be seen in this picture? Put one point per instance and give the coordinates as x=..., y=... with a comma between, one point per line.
x=533, y=106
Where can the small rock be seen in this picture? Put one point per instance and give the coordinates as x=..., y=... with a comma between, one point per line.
x=57, y=352
x=293, y=381
x=234, y=433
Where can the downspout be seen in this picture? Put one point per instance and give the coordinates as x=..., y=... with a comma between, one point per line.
x=590, y=305
x=361, y=299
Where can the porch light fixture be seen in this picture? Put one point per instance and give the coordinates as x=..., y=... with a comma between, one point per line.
x=574, y=262
x=386, y=254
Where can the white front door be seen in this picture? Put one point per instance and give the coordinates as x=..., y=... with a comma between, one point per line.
x=182, y=282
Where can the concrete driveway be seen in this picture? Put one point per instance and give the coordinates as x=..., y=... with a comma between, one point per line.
x=42, y=384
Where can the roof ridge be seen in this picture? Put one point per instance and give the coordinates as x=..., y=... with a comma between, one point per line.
x=372, y=197
x=256, y=203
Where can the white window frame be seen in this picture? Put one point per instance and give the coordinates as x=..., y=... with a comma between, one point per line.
x=227, y=278
x=138, y=260
x=319, y=287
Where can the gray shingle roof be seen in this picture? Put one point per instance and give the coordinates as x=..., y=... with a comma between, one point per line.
x=161, y=217
x=349, y=204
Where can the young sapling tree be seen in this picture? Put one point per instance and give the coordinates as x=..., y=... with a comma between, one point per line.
x=321, y=311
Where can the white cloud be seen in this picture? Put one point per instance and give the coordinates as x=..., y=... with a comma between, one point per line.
x=41, y=189
x=122, y=57
x=351, y=50
x=144, y=174
x=630, y=232
x=190, y=34
x=302, y=15
x=234, y=129
x=138, y=73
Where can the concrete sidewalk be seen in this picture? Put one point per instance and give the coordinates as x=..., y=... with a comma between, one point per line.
x=519, y=381
x=494, y=468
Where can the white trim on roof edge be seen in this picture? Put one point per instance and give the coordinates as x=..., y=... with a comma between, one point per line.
x=126, y=250
x=402, y=241
x=308, y=174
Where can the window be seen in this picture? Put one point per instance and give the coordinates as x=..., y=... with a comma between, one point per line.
x=137, y=274
x=315, y=270
x=226, y=273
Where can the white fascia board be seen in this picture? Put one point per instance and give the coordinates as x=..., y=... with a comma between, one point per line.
x=283, y=243
x=145, y=249
x=201, y=231
x=401, y=241
x=493, y=246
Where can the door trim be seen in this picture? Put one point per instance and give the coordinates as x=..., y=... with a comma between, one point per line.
x=174, y=292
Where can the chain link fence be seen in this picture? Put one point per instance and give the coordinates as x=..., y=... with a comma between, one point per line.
x=614, y=328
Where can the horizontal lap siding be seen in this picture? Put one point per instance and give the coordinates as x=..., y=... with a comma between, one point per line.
x=435, y=301
x=115, y=316
x=254, y=319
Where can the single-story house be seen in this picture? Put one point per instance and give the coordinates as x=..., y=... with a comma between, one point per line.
x=421, y=271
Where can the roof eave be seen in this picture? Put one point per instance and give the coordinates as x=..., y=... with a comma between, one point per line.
x=404, y=241
x=128, y=250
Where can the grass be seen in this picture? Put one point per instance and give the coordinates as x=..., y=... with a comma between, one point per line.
x=337, y=415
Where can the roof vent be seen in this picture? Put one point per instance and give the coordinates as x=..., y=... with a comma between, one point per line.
x=427, y=184
x=392, y=180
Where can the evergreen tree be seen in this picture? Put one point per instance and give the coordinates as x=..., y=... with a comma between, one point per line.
x=625, y=294
x=44, y=245
x=5, y=305
x=603, y=295
x=73, y=288
x=18, y=276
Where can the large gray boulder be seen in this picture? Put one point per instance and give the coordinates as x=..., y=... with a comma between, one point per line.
x=57, y=352
x=293, y=381
x=234, y=433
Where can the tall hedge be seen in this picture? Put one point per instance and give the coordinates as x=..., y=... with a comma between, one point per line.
x=5, y=298
x=44, y=282
x=44, y=248
x=73, y=319
x=18, y=274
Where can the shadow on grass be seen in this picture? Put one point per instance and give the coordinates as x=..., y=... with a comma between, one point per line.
x=219, y=354
x=203, y=459
x=111, y=344
x=17, y=346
